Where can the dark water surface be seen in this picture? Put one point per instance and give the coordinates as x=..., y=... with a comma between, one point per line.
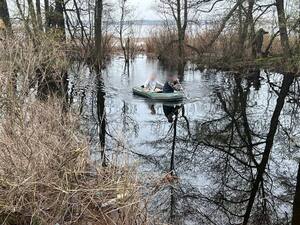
x=224, y=137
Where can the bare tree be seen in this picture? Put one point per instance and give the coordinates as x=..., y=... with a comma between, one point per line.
x=39, y=14
x=59, y=18
x=32, y=14
x=179, y=11
x=122, y=28
x=247, y=29
x=98, y=32
x=47, y=14
x=286, y=83
x=282, y=27
x=296, y=205
x=101, y=117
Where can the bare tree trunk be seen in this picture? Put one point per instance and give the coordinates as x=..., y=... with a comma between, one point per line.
x=181, y=29
x=47, y=15
x=22, y=14
x=39, y=14
x=267, y=51
x=240, y=17
x=245, y=29
x=32, y=15
x=59, y=18
x=123, y=46
x=98, y=32
x=252, y=29
x=286, y=83
x=284, y=38
x=82, y=29
x=224, y=22
x=129, y=51
x=172, y=162
x=68, y=26
x=4, y=14
x=101, y=116
x=296, y=205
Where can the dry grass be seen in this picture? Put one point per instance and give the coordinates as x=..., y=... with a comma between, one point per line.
x=46, y=176
x=223, y=53
x=21, y=60
x=46, y=173
x=161, y=44
x=84, y=50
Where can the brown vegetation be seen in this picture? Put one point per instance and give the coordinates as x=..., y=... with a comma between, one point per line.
x=47, y=178
x=46, y=173
x=161, y=46
x=223, y=53
x=235, y=41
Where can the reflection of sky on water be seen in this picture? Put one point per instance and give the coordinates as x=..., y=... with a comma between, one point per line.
x=130, y=118
x=151, y=126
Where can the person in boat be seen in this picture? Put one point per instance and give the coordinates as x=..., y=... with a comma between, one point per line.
x=152, y=84
x=172, y=84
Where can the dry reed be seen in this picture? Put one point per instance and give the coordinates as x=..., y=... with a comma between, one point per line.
x=46, y=173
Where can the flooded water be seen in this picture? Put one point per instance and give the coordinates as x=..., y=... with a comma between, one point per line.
x=230, y=148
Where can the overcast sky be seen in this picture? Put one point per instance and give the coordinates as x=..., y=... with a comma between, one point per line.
x=145, y=9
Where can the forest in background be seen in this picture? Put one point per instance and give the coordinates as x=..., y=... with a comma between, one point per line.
x=240, y=33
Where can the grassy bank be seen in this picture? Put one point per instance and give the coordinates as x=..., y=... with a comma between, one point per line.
x=46, y=173
x=224, y=54
x=47, y=177
x=273, y=63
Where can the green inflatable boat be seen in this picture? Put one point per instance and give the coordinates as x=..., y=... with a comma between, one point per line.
x=159, y=96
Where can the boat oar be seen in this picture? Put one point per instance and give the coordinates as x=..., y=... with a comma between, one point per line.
x=185, y=94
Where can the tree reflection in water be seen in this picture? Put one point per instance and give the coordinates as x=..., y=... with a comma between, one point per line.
x=234, y=161
x=101, y=118
x=239, y=171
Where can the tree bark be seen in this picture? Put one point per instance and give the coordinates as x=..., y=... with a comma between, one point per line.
x=98, y=32
x=4, y=14
x=284, y=38
x=244, y=29
x=101, y=116
x=224, y=22
x=59, y=18
x=296, y=205
x=181, y=30
x=39, y=14
x=47, y=15
x=32, y=15
x=22, y=14
x=287, y=82
x=83, y=33
x=121, y=31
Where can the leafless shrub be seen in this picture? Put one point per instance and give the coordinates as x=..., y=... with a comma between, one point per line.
x=162, y=44
x=24, y=64
x=46, y=173
x=46, y=176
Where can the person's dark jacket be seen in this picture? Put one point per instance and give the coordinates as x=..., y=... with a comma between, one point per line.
x=170, y=87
